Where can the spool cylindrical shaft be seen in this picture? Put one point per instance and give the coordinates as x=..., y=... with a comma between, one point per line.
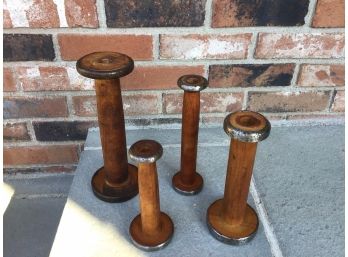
x=149, y=198
x=189, y=137
x=112, y=130
x=239, y=172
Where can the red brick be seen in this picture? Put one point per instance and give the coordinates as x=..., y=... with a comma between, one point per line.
x=27, y=107
x=9, y=82
x=141, y=104
x=38, y=78
x=338, y=104
x=288, y=101
x=7, y=22
x=157, y=77
x=319, y=45
x=16, y=132
x=139, y=47
x=232, y=13
x=329, y=14
x=204, y=46
x=250, y=75
x=321, y=75
x=81, y=13
x=210, y=102
x=43, y=14
x=41, y=154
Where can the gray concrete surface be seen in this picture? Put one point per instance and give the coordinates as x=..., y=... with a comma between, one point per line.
x=291, y=168
x=298, y=191
x=32, y=217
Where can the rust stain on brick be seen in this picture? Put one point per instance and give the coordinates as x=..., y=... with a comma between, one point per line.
x=249, y=75
x=313, y=75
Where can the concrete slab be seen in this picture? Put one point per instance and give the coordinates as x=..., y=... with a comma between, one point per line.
x=299, y=175
x=29, y=226
x=40, y=185
x=102, y=228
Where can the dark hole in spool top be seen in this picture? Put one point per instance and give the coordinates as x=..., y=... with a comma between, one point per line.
x=192, y=80
x=248, y=121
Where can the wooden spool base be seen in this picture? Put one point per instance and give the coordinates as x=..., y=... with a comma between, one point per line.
x=229, y=233
x=153, y=242
x=119, y=193
x=186, y=189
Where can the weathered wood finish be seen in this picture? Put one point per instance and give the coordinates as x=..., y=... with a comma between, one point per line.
x=112, y=130
x=189, y=136
x=239, y=172
x=187, y=181
x=117, y=180
x=151, y=229
x=231, y=219
x=149, y=198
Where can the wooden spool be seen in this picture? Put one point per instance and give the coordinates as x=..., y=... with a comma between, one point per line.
x=117, y=180
x=151, y=229
x=231, y=220
x=188, y=181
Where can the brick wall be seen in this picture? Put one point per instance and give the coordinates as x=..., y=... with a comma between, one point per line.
x=284, y=58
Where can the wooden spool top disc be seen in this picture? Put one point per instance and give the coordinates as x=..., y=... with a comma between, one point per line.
x=247, y=126
x=192, y=83
x=105, y=65
x=146, y=151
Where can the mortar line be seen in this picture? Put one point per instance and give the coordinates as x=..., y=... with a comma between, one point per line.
x=331, y=100
x=252, y=46
x=144, y=92
x=190, y=62
x=156, y=47
x=129, y=119
x=174, y=30
x=245, y=99
x=31, y=130
x=208, y=14
x=268, y=228
x=101, y=13
x=295, y=75
x=310, y=14
x=56, y=47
